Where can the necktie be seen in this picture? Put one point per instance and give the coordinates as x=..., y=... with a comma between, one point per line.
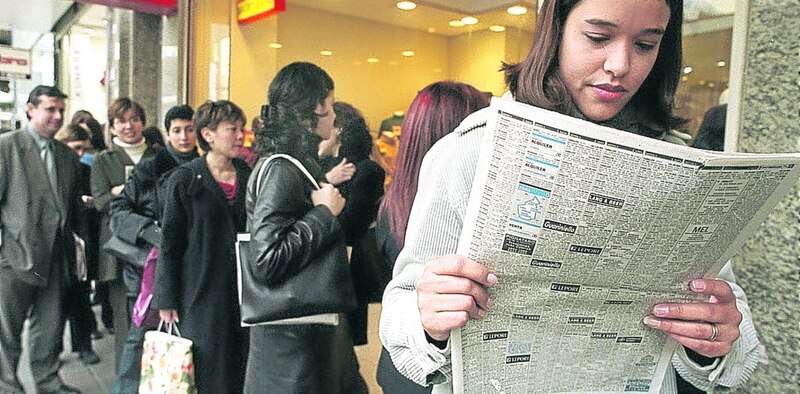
x=49, y=164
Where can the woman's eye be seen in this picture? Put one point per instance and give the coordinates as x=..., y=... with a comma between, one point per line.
x=646, y=46
x=597, y=38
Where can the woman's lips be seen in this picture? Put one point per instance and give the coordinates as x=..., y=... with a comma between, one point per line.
x=608, y=92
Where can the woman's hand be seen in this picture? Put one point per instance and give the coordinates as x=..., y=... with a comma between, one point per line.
x=328, y=196
x=343, y=172
x=87, y=200
x=692, y=324
x=168, y=315
x=116, y=190
x=452, y=290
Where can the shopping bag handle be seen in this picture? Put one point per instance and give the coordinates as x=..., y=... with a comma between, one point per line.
x=169, y=328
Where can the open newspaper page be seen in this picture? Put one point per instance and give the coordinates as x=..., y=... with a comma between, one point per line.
x=587, y=228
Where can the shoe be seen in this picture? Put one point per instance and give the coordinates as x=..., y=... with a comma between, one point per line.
x=64, y=389
x=96, y=334
x=89, y=357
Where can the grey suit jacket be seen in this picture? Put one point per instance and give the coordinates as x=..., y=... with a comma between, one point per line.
x=35, y=220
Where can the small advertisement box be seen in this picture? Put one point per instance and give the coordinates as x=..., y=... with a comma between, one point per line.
x=250, y=11
x=15, y=63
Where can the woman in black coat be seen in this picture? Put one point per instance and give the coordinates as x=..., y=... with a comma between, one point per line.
x=293, y=226
x=196, y=273
x=363, y=193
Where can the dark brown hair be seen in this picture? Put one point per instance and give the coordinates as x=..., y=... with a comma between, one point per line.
x=121, y=105
x=211, y=114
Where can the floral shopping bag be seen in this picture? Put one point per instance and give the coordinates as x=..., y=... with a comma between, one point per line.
x=167, y=366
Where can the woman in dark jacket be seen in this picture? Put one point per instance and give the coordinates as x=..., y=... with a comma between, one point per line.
x=353, y=143
x=136, y=218
x=195, y=281
x=293, y=226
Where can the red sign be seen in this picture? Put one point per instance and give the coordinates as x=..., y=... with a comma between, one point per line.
x=256, y=10
x=160, y=7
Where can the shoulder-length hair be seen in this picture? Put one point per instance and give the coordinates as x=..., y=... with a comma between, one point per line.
x=354, y=138
x=290, y=121
x=121, y=105
x=435, y=112
x=535, y=80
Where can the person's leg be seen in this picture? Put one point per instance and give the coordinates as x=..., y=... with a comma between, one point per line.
x=118, y=295
x=81, y=318
x=130, y=363
x=46, y=330
x=283, y=359
x=15, y=301
x=106, y=312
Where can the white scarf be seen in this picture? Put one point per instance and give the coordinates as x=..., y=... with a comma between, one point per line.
x=134, y=151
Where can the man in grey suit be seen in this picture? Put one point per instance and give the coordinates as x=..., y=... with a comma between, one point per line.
x=38, y=201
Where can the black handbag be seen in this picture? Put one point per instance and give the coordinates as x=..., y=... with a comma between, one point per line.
x=121, y=249
x=316, y=294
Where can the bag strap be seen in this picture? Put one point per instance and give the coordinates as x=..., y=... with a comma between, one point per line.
x=292, y=160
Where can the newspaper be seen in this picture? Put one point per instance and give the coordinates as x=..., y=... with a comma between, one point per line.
x=587, y=228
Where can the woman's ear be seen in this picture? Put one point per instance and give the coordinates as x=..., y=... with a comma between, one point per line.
x=207, y=134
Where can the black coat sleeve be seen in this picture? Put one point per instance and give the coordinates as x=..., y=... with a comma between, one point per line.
x=364, y=193
x=131, y=212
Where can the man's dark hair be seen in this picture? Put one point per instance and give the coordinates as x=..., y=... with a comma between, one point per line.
x=184, y=112
x=44, y=90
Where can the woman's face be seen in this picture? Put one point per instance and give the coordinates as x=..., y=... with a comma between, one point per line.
x=325, y=117
x=128, y=128
x=181, y=135
x=607, y=51
x=227, y=139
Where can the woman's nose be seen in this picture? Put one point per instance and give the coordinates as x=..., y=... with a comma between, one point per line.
x=617, y=59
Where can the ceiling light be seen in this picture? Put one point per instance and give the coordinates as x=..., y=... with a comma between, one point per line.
x=721, y=63
x=497, y=28
x=688, y=70
x=702, y=82
x=372, y=60
x=517, y=10
x=469, y=20
x=431, y=30
x=456, y=23
x=408, y=53
x=326, y=53
x=711, y=84
x=275, y=45
x=406, y=5
x=684, y=78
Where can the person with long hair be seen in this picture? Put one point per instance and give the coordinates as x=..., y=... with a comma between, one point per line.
x=292, y=226
x=617, y=66
x=435, y=112
x=195, y=283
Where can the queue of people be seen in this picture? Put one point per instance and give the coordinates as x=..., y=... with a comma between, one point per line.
x=186, y=201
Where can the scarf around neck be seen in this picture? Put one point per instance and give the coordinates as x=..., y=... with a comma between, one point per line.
x=134, y=151
x=180, y=157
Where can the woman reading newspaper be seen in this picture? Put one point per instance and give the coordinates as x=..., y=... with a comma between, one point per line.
x=613, y=63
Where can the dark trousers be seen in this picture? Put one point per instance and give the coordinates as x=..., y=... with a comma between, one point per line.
x=130, y=363
x=42, y=306
x=118, y=296
x=79, y=312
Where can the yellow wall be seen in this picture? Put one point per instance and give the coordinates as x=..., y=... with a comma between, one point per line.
x=377, y=89
x=253, y=63
x=475, y=58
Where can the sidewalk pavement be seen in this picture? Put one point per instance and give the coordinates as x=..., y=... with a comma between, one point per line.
x=89, y=379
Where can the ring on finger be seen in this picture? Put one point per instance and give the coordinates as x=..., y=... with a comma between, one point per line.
x=714, y=332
